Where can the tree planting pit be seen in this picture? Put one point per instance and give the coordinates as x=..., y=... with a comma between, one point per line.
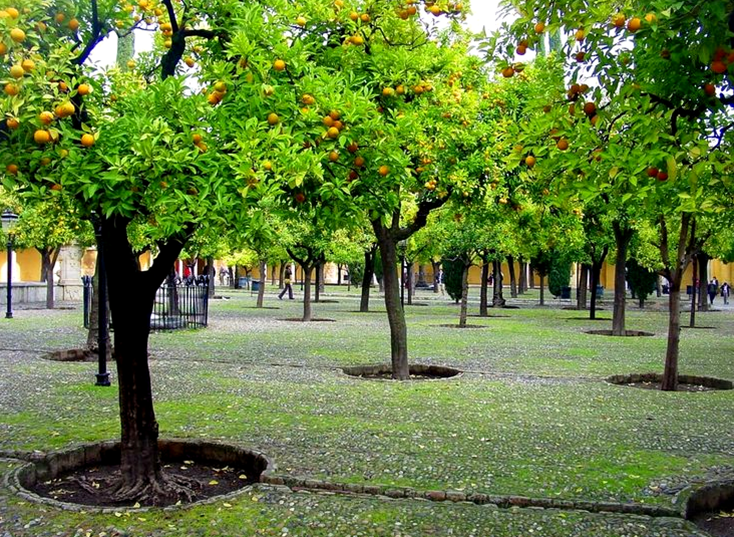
x=75, y=355
x=78, y=478
x=711, y=507
x=467, y=326
x=417, y=372
x=686, y=383
x=627, y=333
x=300, y=320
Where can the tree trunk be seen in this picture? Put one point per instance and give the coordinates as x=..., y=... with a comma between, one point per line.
x=395, y=312
x=595, y=276
x=702, y=260
x=513, y=281
x=483, y=294
x=409, y=281
x=464, y=294
x=49, y=256
x=369, y=273
x=694, y=289
x=317, y=298
x=236, y=278
x=211, y=275
x=436, y=266
x=306, y=293
x=93, y=333
x=542, y=296
x=583, y=285
x=677, y=265
x=523, y=280
x=132, y=295
x=532, y=279
x=338, y=273
x=281, y=276
x=622, y=239
x=261, y=288
x=670, y=374
x=498, y=300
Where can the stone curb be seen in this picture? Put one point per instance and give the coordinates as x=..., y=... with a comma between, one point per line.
x=77, y=455
x=503, y=502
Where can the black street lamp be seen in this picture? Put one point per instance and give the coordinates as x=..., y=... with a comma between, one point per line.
x=103, y=376
x=9, y=218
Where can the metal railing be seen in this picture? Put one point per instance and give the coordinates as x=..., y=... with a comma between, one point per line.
x=177, y=305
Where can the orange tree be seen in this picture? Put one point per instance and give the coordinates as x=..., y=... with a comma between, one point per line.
x=643, y=121
x=142, y=155
x=366, y=107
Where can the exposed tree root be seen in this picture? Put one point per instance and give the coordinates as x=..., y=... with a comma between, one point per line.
x=164, y=489
x=152, y=490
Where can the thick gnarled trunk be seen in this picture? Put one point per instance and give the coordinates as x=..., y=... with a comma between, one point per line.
x=131, y=296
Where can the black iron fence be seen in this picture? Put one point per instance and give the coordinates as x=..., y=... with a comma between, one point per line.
x=178, y=305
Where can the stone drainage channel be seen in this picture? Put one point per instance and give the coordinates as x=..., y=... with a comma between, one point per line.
x=38, y=466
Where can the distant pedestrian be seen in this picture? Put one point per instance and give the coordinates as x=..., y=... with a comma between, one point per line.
x=712, y=289
x=440, y=281
x=725, y=291
x=287, y=285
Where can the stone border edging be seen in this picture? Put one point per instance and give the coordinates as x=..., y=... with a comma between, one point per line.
x=368, y=372
x=711, y=496
x=92, y=453
x=636, y=378
x=503, y=502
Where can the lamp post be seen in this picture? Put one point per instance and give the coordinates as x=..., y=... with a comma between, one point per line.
x=9, y=218
x=103, y=376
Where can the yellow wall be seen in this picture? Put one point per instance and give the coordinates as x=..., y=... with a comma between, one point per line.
x=27, y=261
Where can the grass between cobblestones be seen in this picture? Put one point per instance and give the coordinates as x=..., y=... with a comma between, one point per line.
x=531, y=416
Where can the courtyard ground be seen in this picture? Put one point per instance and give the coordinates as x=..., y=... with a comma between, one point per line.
x=531, y=416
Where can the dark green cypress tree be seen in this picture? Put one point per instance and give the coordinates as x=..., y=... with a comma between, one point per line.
x=453, y=270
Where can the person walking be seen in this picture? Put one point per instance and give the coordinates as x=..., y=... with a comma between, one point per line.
x=725, y=291
x=287, y=285
x=712, y=289
x=440, y=281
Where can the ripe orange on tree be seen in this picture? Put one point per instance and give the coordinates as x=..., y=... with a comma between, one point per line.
x=87, y=140
x=539, y=27
x=562, y=144
x=279, y=65
x=718, y=67
x=384, y=170
x=12, y=123
x=46, y=117
x=17, y=71
x=41, y=136
x=273, y=118
x=530, y=161
x=28, y=65
x=84, y=89
x=17, y=35
x=634, y=24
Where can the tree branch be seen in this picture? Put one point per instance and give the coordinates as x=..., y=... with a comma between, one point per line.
x=95, y=38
